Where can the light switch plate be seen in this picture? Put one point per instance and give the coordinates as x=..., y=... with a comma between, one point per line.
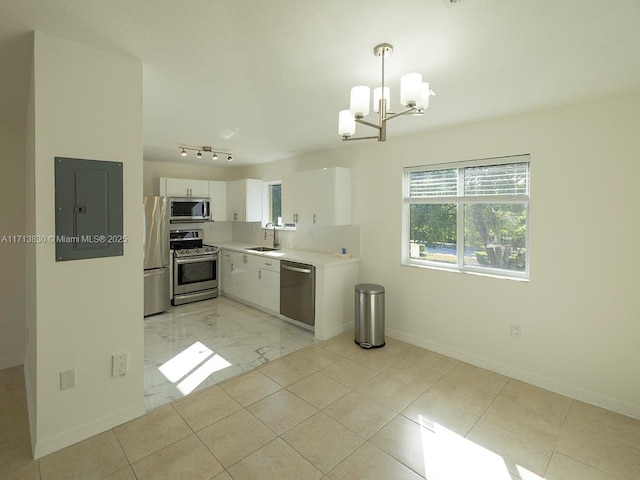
x=119, y=365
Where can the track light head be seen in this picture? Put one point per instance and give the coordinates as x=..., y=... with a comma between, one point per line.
x=229, y=158
x=199, y=154
x=214, y=156
x=183, y=152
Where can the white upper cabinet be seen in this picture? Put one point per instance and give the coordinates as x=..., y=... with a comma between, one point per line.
x=218, y=196
x=321, y=197
x=244, y=200
x=184, y=187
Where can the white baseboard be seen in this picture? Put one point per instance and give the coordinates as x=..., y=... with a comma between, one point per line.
x=82, y=432
x=566, y=389
x=9, y=362
x=345, y=327
x=30, y=405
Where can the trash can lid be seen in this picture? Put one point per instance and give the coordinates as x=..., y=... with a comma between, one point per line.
x=369, y=288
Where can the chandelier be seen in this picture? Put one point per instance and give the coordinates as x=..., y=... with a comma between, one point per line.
x=214, y=154
x=414, y=96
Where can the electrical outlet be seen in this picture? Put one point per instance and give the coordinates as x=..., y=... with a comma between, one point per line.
x=67, y=379
x=516, y=330
x=119, y=365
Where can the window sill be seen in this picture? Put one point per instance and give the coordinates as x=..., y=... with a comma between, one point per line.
x=469, y=271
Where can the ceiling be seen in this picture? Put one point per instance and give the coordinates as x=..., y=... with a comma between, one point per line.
x=266, y=79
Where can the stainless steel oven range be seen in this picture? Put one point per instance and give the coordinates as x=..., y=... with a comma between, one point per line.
x=195, y=267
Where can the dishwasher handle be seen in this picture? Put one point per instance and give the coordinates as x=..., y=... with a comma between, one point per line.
x=296, y=269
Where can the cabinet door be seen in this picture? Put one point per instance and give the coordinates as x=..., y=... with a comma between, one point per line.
x=199, y=188
x=218, y=195
x=321, y=197
x=289, y=198
x=178, y=187
x=251, y=279
x=270, y=290
x=244, y=200
x=236, y=200
x=253, y=200
x=226, y=276
x=297, y=198
x=321, y=187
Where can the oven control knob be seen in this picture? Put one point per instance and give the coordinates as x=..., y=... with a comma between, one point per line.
x=183, y=252
x=197, y=250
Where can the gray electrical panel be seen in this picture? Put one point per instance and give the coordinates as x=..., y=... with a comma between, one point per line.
x=88, y=209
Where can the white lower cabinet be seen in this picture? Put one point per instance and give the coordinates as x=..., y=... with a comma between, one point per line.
x=255, y=280
x=269, y=276
x=252, y=279
x=231, y=267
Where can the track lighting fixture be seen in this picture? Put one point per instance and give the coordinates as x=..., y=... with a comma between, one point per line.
x=206, y=149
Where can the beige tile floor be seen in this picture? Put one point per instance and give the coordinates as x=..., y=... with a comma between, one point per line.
x=334, y=411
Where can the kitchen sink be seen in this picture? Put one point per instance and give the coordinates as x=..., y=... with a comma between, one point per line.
x=262, y=249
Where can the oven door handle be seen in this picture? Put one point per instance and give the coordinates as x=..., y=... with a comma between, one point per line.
x=180, y=261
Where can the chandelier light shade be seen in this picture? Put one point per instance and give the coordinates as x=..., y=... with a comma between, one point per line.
x=414, y=97
x=377, y=93
x=206, y=149
x=423, y=103
x=360, y=101
x=410, y=89
x=346, y=123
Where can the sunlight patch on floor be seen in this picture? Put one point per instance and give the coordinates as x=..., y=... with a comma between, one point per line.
x=196, y=356
x=449, y=456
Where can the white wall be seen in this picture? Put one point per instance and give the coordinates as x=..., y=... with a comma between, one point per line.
x=12, y=224
x=579, y=311
x=86, y=104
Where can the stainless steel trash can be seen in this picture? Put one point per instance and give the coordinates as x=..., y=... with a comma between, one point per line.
x=369, y=315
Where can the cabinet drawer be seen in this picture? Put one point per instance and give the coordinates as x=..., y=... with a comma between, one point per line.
x=270, y=264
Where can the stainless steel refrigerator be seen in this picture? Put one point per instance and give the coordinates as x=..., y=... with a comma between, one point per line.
x=157, y=278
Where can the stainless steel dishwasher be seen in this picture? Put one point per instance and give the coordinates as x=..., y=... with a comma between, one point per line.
x=298, y=291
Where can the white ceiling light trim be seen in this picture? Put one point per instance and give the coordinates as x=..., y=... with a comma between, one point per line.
x=414, y=96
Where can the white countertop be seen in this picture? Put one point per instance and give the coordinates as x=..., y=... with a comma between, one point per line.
x=326, y=260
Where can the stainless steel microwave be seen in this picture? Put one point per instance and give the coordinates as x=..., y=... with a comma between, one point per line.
x=189, y=209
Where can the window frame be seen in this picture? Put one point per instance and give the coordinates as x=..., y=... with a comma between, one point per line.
x=266, y=206
x=461, y=200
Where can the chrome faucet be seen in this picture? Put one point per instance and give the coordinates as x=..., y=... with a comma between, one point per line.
x=276, y=241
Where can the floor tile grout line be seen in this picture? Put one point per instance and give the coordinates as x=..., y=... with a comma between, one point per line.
x=557, y=439
x=308, y=460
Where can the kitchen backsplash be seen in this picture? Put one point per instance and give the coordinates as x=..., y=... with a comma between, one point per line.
x=312, y=238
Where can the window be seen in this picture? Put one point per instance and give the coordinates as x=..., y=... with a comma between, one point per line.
x=275, y=203
x=470, y=216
